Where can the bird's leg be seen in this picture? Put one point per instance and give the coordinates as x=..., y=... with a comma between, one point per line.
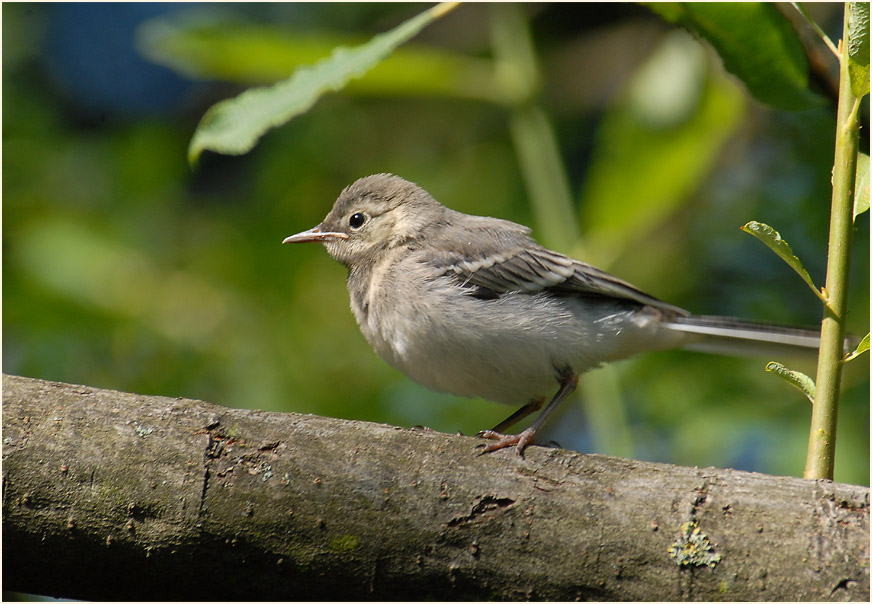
x=518, y=415
x=568, y=383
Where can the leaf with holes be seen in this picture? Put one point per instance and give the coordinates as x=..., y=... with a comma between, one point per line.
x=794, y=378
x=773, y=240
x=858, y=48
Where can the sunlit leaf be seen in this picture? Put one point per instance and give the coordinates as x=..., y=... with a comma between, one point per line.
x=253, y=54
x=795, y=378
x=861, y=186
x=756, y=43
x=234, y=126
x=773, y=240
x=862, y=347
x=858, y=47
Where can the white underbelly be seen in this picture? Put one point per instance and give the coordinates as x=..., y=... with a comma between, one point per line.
x=509, y=349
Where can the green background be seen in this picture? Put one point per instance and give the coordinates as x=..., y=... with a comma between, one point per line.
x=124, y=268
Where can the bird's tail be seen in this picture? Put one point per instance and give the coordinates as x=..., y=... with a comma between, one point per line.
x=727, y=335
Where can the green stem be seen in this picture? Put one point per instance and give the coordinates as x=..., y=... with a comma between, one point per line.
x=817, y=29
x=532, y=133
x=822, y=437
x=541, y=166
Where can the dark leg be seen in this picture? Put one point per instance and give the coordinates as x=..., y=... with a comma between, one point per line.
x=568, y=383
x=518, y=415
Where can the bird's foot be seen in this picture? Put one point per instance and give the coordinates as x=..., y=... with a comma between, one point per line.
x=521, y=440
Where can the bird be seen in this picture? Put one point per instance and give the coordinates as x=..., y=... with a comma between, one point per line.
x=475, y=307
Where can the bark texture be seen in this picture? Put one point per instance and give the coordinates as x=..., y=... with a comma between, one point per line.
x=109, y=495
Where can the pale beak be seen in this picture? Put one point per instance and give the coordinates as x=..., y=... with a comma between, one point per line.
x=314, y=234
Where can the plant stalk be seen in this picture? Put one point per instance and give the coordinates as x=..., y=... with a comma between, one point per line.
x=532, y=133
x=822, y=437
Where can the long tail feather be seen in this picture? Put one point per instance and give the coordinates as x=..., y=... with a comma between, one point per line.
x=727, y=335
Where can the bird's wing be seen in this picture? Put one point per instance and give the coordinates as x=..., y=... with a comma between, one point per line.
x=521, y=265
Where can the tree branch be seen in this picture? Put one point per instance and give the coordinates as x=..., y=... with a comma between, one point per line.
x=108, y=495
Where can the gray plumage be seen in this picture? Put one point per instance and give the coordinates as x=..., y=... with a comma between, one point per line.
x=473, y=306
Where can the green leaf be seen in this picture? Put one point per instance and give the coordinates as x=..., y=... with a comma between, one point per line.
x=234, y=126
x=861, y=186
x=197, y=45
x=862, y=347
x=796, y=378
x=756, y=43
x=772, y=238
x=817, y=28
x=858, y=47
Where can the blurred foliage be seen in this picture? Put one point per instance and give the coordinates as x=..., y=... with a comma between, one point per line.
x=673, y=117
x=123, y=269
x=234, y=126
x=756, y=43
x=212, y=44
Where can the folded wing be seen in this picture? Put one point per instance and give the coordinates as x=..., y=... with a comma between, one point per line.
x=521, y=265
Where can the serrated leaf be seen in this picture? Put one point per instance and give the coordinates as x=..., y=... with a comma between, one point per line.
x=197, y=46
x=861, y=186
x=773, y=240
x=858, y=47
x=795, y=378
x=862, y=347
x=234, y=126
x=756, y=43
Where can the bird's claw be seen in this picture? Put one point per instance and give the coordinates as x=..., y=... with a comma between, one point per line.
x=521, y=440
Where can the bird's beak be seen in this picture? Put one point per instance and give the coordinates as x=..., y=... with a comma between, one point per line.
x=314, y=234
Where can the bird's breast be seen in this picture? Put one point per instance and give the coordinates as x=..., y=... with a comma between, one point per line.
x=432, y=330
x=510, y=348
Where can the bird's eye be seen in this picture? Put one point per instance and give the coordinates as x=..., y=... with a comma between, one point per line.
x=356, y=220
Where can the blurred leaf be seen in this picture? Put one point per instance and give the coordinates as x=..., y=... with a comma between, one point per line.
x=755, y=42
x=862, y=347
x=197, y=46
x=773, y=240
x=656, y=144
x=234, y=126
x=78, y=262
x=532, y=130
x=861, y=186
x=858, y=47
x=795, y=378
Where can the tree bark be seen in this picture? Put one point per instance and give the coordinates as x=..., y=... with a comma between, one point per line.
x=109, y=495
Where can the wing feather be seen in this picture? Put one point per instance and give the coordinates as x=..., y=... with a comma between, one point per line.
x=515, y=263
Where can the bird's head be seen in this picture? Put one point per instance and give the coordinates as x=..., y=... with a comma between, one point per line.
x=371, y=216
